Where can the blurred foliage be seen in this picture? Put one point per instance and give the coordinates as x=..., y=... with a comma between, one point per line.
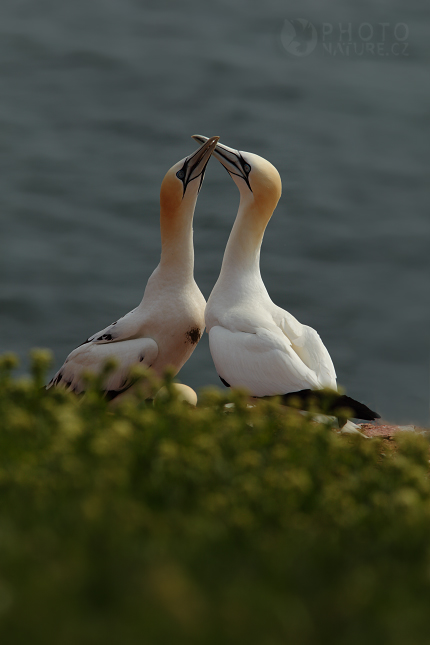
x=155, y=524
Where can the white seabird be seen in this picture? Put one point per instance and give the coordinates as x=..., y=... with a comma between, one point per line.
x=254, y=343
x=165, y=328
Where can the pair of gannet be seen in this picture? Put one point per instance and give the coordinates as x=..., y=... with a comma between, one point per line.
x=254, y=344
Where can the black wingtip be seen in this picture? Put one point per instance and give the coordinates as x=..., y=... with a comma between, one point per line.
x=112, y=394
x=224, y=382
x=331, y=403
x=360, y=410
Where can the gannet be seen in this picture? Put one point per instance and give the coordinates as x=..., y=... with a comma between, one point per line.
x=254, y=343
x=164, y=329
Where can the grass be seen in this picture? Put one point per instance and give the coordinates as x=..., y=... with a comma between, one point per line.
x=165, y=524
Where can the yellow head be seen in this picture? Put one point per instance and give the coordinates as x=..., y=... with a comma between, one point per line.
x=181, y=184
x=257, y=179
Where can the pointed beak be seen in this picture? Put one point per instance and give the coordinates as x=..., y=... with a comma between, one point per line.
x=231, y=159
x=195, y=165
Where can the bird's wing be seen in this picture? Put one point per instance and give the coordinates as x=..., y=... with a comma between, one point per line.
x=263, y=362
x=309, y=347
x=92, y=356
x=125, y=328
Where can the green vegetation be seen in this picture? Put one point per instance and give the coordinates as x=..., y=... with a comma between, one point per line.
x=168, y=524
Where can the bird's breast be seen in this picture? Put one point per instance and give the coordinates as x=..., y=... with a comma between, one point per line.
x=176, y=323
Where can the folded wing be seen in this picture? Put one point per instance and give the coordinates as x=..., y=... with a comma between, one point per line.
x=263, y=362
x=125, y=328
x=309, y=347
x=119, y=341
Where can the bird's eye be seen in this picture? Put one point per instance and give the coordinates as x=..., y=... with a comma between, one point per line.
x=180, y=174
x=247, y=167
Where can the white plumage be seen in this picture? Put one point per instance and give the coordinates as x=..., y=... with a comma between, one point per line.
x=166, y=326
x=254, y=343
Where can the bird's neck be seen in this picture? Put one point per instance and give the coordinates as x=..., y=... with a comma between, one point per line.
x=242, y=253
x=177, y=250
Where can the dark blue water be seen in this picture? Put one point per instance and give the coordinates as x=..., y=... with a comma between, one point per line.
x=99, y=99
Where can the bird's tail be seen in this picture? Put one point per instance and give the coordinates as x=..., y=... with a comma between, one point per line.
x=330, y=402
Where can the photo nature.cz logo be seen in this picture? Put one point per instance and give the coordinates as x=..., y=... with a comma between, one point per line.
x=299, y=37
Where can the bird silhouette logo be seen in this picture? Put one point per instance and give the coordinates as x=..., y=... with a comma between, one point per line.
x=299, y=37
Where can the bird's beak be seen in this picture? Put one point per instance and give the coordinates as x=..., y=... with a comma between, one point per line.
x=231, y=159
x=195, y=165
